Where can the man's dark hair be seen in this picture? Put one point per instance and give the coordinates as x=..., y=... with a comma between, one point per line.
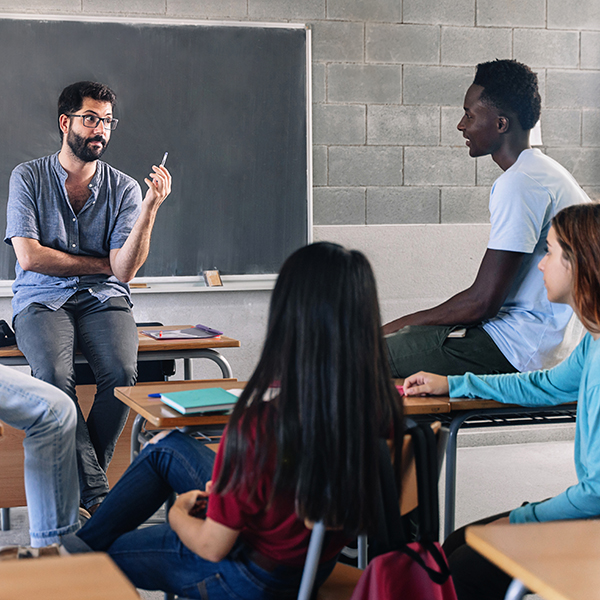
x=71, y=98
x=510, y=86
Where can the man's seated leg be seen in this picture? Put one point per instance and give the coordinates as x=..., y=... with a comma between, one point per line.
x=429, y=348
x=108, y=337
x=47, y=338
x=49, y=420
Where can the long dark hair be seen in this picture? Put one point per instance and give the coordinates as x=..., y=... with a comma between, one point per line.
x=577, y=229
x=325, y=349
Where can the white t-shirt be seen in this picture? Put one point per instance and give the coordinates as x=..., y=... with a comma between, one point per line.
x=528, y=329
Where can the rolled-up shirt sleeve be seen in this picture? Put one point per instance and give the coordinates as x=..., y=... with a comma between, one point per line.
x=129, y=211
x=21, y=213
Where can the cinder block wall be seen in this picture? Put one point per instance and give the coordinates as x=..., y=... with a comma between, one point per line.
x=389, y=78
x=388, y=82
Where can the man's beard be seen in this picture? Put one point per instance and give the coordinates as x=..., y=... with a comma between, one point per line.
x=80, y=148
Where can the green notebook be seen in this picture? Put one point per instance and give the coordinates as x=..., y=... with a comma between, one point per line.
x=200, y=401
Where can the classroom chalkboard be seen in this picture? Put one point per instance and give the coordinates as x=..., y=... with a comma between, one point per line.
x=229, y=104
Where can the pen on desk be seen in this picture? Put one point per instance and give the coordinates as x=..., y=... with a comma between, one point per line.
x=154, y=395
x=164, y=159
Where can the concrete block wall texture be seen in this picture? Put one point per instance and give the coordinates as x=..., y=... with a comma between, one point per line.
x=388, y=82
x=389, y=77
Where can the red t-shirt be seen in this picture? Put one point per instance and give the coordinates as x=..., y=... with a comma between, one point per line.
x=275, y=532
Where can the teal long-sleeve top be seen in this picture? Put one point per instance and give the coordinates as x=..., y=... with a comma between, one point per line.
x=575, y=379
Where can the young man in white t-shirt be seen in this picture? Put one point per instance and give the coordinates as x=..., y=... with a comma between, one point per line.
x=504, y=322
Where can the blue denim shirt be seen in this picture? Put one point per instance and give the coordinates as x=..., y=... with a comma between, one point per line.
x=39, y=208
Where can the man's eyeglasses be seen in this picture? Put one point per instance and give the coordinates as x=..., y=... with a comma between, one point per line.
x=92, y=121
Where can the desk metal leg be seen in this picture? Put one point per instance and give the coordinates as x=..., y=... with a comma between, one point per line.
x=363, y=548
x=5, y=516
x=136, y=428
x=451, y=449
x=211, y=354
x=516, y=590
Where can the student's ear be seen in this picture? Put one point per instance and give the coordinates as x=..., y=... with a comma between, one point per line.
x=503, y=124
x=62, y=122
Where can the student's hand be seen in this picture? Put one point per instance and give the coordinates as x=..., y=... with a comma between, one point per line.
x=187, y=501
x=208, y=486
x=159, y=187
x=423, y=383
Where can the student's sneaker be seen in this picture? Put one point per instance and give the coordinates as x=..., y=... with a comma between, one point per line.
x=19, y=552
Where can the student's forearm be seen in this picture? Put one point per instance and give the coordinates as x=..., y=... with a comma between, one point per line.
x=206, y=538
x=32, y=256
x=188, y=529
x=481, y=301
x=127, y=260
x=462, y=309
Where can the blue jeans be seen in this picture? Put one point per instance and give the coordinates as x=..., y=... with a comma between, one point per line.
x=48, y=418
x=153, y=557
x=106, y=334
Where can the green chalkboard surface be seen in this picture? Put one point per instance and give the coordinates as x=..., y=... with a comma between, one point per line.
x=229, y=104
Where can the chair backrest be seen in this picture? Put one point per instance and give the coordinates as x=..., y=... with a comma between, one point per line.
x=419, y=476
x=409, y=498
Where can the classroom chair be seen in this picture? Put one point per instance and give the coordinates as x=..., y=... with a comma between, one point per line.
x=344, y=578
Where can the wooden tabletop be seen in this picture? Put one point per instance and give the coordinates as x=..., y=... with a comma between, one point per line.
x=148, y=344
x=160, y=415
x=90, y=576
x=156, y=412
x=418, y=404
x=426, y=405
x=558, y=560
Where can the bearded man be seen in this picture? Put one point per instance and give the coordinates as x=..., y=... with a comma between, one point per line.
x=80, y=232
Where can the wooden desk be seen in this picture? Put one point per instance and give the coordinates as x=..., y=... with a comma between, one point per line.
x=161, y=416
x=428, y=405
x=460, y=410
x=151, y=349
x=91, y=576
x=557, y=560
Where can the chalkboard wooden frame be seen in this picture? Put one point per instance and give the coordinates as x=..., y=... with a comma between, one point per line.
x=287, y=222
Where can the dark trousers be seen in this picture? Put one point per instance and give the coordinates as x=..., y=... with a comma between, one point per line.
x=475, y=577
x=106, y=334
x=428, y=348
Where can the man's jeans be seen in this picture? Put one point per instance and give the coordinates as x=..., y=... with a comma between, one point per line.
x=106, y=334
x=48, y=418
x=154, y=558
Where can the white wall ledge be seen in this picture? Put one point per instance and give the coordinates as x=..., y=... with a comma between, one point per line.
x=169, y=285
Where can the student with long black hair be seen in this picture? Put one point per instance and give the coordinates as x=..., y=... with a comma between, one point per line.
x=571, y=269
x=300, y=447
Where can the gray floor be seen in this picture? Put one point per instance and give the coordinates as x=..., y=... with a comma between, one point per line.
x=490, y=478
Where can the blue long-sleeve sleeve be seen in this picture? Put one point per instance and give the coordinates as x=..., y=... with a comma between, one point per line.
x=576, y=379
